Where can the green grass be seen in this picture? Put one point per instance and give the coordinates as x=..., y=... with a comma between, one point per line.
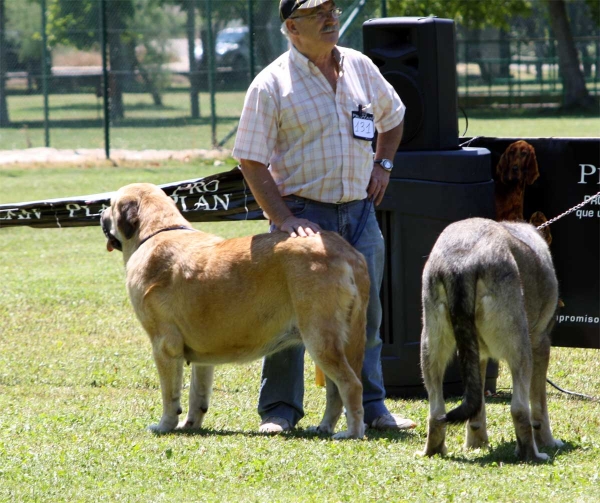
x=78, y=388
x=76, y=122
x=527, y=123
x=147, y=126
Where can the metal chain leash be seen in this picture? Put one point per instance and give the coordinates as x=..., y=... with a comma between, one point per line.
x=574, y=208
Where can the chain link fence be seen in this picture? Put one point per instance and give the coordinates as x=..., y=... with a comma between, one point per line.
x=519, y=72
x=172, y=74
x=143, y=74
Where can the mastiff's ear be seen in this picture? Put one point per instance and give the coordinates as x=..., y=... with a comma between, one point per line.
x=128, y=220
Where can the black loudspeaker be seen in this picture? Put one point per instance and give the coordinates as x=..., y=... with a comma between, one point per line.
x=417, y=56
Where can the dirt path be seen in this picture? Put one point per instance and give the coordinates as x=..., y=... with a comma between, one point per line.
x=44, y=155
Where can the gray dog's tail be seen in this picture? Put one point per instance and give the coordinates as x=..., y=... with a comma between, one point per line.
x=461, y=303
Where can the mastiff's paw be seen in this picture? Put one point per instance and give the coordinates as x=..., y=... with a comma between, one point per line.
x=166, y=425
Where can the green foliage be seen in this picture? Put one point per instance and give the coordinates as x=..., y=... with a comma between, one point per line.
x=149, y=30
x=594, y=7
x=77, y=23
x=24, y=20
x=469, y=13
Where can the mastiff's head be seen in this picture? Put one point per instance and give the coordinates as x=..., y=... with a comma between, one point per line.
x=136, y=213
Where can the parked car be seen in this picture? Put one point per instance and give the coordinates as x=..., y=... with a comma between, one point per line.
x=231, y=57
x=232, y=48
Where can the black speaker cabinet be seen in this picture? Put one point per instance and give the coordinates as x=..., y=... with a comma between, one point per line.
x=417, y=56
x=428, y=191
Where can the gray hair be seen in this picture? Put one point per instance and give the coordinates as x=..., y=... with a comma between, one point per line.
x=284, y=30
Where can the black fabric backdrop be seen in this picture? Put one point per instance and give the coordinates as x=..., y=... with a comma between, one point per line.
x=223, y=196
x=569, y=173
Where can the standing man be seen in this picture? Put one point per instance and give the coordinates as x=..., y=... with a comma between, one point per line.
x=311, y=115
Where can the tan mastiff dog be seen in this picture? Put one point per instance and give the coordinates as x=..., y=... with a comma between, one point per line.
x=208, y=300
x=489, y=290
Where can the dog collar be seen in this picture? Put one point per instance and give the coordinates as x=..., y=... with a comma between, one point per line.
x=176, y=228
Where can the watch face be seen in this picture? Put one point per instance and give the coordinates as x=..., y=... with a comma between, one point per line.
x=387, y=164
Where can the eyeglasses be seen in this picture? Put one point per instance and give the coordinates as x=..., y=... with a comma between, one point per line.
x=322, y=14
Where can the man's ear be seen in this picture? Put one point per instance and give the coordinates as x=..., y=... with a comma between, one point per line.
x=291, y=26
x=128, y=220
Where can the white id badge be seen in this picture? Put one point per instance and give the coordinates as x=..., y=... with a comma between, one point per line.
x=363, y=126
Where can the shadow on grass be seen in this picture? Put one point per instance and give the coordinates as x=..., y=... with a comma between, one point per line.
x=504, y=453
x=298, y=433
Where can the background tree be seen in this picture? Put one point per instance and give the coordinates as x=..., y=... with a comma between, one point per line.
x=478, y=22
x=137, y=37
x=499, y=13
x=77, y=24
x=575, y=93
x=23, y=35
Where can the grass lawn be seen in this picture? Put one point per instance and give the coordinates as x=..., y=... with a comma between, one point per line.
x=523, y=123
x=76, y=122
x=78, y=388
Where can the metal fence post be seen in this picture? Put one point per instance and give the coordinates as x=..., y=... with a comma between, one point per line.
x=102, y=16
x=194, y=65
x=211, y=73
x=45, y=70
x=251, y=32
x=4, y=120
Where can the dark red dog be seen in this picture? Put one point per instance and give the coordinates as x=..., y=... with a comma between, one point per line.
x=516, y=169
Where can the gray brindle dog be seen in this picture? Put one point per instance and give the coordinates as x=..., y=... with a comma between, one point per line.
x=489, y=290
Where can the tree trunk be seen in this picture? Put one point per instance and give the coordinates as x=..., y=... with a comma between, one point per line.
x=3, y=106
x=575, y=94
x=147, y=79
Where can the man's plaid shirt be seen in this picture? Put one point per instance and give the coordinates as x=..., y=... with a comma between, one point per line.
x=294, y=121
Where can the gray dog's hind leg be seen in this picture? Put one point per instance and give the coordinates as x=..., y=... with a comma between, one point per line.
x=201, y=384
x=434, y=359
x=539, y=407
x=476, y=430
x=521, y=370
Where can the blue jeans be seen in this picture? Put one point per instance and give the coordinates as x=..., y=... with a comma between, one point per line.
x=282, y=388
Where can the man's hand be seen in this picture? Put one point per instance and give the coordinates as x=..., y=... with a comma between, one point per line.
x=380, y=179
x=299, y=227
x=267, y=195
x=387, y=146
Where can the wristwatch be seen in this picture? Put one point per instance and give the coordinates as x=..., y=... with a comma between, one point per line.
x=385, y=164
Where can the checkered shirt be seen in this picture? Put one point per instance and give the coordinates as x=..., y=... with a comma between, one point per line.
x=294, y=121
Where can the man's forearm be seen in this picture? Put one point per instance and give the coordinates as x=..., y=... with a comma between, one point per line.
x=388, y=142
x=387, y=146
x=265, y=191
